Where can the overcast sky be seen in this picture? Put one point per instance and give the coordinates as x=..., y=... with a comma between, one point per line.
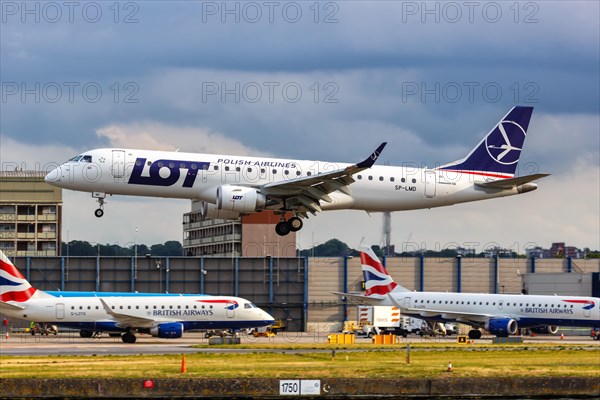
x=308, y=80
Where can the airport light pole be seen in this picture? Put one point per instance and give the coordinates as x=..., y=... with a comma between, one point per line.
x=157, y=262
x=135, y=254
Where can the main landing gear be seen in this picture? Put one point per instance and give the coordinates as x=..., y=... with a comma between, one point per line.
x=100, y=198
x=128, y=337
x=291, y=225
x=474, y=334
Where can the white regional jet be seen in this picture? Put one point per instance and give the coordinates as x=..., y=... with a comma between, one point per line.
x=230, y=186
x=161, y=315
x=501, y=314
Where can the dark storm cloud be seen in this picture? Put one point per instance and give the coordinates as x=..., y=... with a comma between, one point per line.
x=439, y=71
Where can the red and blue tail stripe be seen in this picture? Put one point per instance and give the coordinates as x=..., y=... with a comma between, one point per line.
x=13, y=285
x=377, y=279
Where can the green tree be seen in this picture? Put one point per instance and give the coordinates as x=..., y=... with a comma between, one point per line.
x=331, y=248
x=80, y=248
x=168, y=249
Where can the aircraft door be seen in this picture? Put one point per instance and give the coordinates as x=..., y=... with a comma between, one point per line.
x=406, y=302
x=429, y=184
x=500, y=305
x=118, y=163
x=230, y=309
x=60, y=311
x=587, y=312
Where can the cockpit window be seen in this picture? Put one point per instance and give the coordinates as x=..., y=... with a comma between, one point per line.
x=81, y=158
x=249, y=305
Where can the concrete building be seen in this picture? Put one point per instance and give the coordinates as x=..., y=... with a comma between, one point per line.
x=30, y=214
x=249, y=236
x=300, y=290
x=557, y=250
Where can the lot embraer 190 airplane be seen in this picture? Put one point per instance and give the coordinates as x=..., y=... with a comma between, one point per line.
x=230, y=186
x=501, y=314
x=161, y=315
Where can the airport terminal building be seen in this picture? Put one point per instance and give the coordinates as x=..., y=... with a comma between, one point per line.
x=246, y=258
x=30, y=215
x=300, y=290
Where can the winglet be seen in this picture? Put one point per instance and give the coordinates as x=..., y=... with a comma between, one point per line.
x=369, y=161
x=107, y=308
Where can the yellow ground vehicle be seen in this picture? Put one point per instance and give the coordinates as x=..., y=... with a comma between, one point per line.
x=265, y=331
x=278, y=326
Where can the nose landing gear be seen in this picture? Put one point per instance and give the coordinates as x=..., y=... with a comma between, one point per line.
x=100, y=198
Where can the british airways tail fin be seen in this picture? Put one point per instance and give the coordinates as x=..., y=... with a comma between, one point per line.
x=13, y=285
x=498, y=152
x=377, y=279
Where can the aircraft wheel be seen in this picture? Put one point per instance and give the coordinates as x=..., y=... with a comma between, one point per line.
x=474, y=334
x=85, y=333
x=295, y=224
x=99, y=212
x=128, y=337
x=282, y=228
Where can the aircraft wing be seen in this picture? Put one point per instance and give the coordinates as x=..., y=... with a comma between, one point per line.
x=510, y=183
x=10, y=307
x=463, y=317
x=306, y=192
x=126, y=320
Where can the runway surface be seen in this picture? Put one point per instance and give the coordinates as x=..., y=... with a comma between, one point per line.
x=72, y=344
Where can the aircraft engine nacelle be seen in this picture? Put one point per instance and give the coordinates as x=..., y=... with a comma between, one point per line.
x=550, y=329
x=209, y=211
x=502, y=326
x=170, y=330
x=240, y=199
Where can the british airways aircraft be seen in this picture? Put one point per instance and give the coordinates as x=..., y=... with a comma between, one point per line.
x=160, y=315
x=230, y=186
x=501, y=314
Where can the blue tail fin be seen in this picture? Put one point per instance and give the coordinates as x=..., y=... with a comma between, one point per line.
x=498, y=153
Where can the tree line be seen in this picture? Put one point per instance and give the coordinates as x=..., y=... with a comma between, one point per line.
x=331, y=248
x=80, y=248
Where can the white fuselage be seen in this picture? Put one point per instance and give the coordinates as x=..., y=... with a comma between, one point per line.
x=527, y=310
x=86, y=311
x=197, y=177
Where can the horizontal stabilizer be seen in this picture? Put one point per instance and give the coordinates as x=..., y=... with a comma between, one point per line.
x=510, y=183
x=361, y=299
x=8, y=306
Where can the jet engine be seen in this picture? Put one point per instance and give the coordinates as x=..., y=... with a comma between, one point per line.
x=169, y=330
x=502, y=327
x=240, y=199
x=209, y=211
x=550, y=329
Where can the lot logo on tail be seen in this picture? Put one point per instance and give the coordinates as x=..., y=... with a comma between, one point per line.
x=13, y=285
x=505, y=142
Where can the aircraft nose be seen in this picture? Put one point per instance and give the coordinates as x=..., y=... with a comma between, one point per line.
x=268, y=317
x=53, y=176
